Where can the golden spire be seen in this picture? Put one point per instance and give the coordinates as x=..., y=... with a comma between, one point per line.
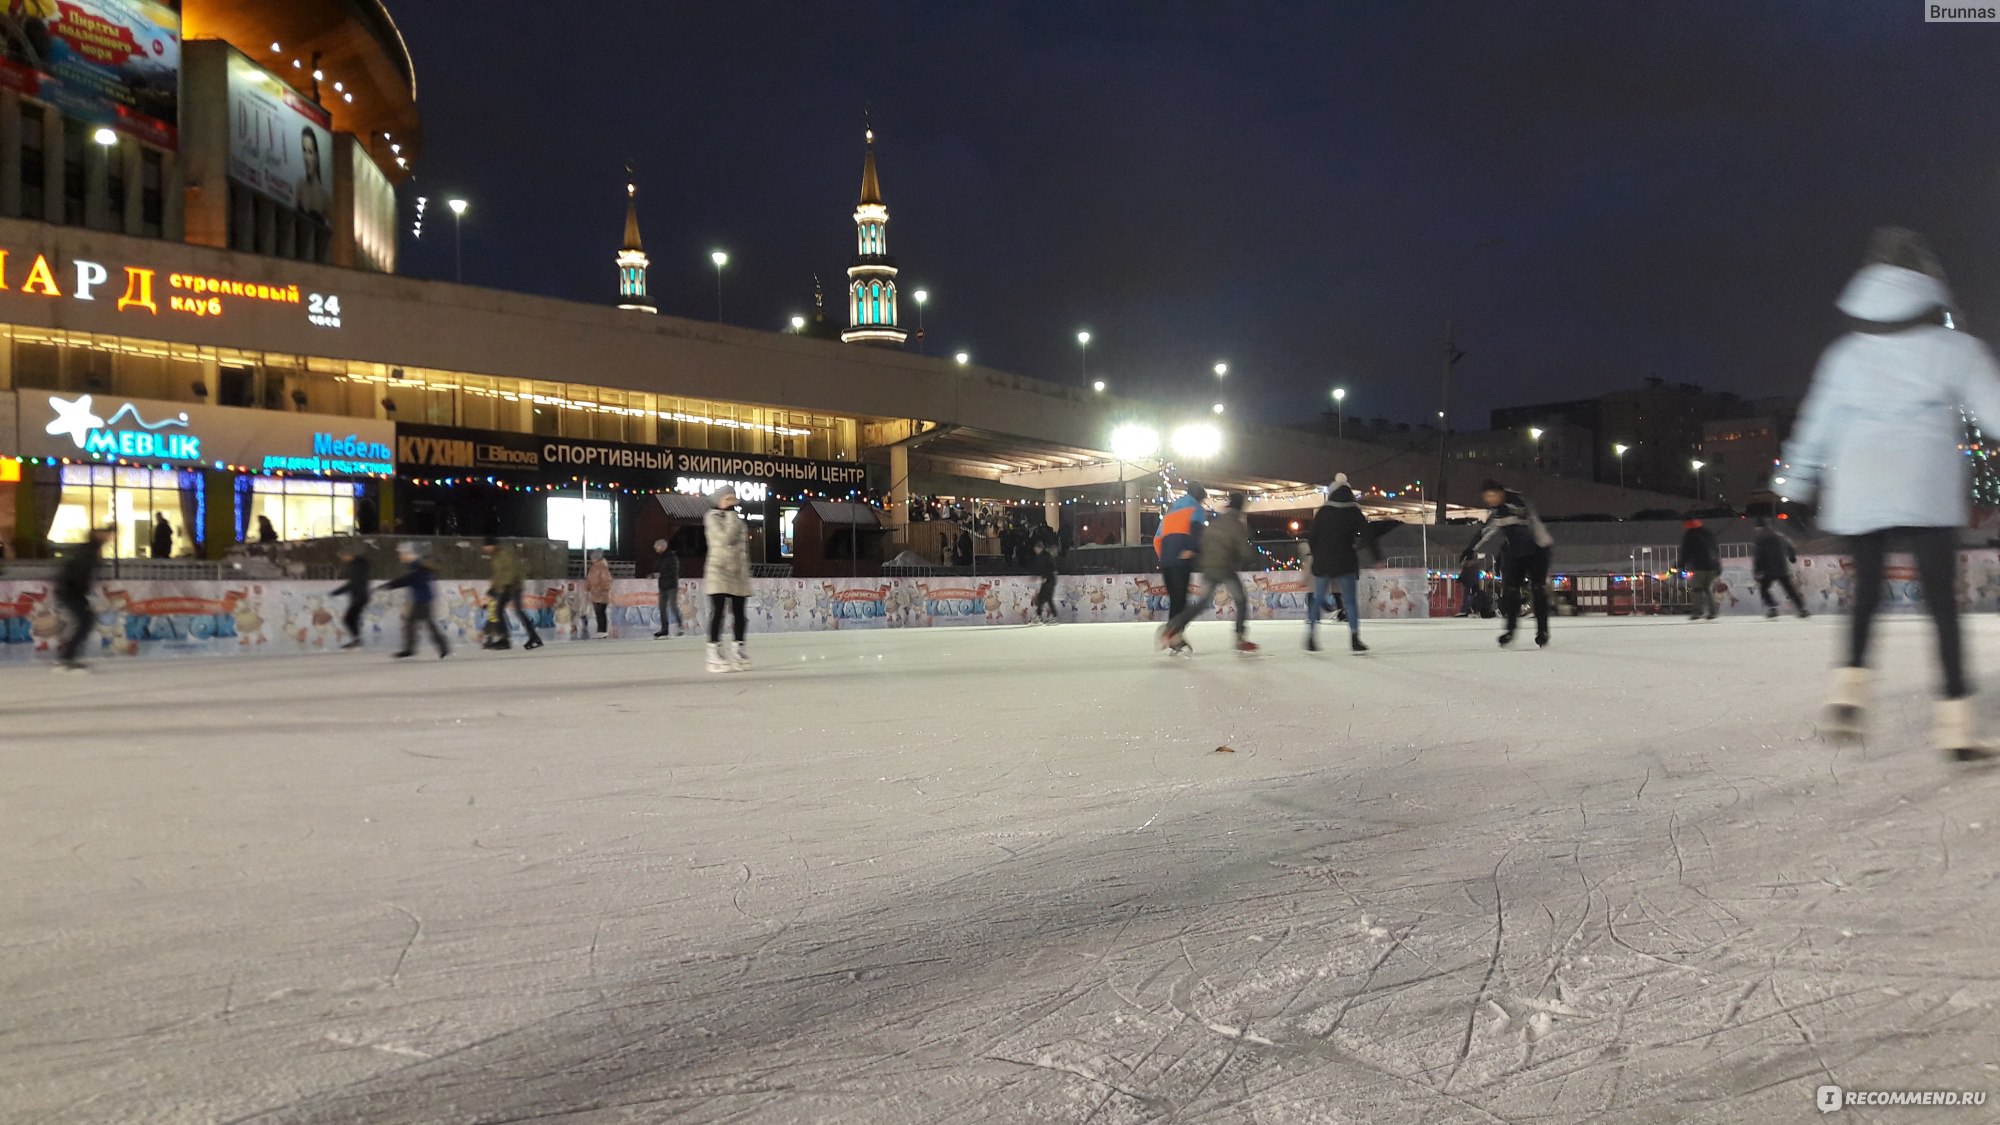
x=871, y=189
x=631, y=217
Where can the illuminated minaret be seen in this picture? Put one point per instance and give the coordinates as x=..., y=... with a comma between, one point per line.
x=632, y=260
x=871, y=280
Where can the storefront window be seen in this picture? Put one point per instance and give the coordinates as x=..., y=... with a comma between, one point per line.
x=299, y=509
x=129, y=499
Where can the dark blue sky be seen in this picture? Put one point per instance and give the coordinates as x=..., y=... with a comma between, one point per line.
x=1300, y=189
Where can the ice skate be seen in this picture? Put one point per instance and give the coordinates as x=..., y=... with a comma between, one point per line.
x=1952, y=727
x=1161, y=640
x=1507, y=638
x=403, y=655
x=1178, y=646
x=1803, y=614
x=533, y=642
x=718, y=662
x=1846, y=708
x=1541, y=638
x=1772, y=613
x=1246, y=646
x=1312, y=644
x=1354, y=643
x=71, y=667
x=738, y=658
x=356, y=643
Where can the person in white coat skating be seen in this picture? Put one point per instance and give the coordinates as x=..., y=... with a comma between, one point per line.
x=725, y=578
x=1878, y=441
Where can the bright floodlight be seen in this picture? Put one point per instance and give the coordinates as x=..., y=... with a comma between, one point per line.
x=1083, y=338
x=1698, y=465
x=105, y=137
x=922, y=295
x=963, y=358
x=1217, y=408
x=1619, y=450
x=719, y=258
x=1134, y=443
x=1535, y=433
x=1221, y=369
x=798, y=322
x=1197, y=441
x=1340, y=394
x=1098, y=386
x=457, y=206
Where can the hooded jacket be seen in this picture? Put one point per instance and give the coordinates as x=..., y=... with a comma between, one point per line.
x=1775, y=554
x=669, y=575
x=727, y=568
x=1516, y=528
x=1338, y=536
x=1699, y=550
x=1225, y=546
x=597, y=581
x=1180, y=531
x=506, y=563
x=416, y=578
x=1878, y=435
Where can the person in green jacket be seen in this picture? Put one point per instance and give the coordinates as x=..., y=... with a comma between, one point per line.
x=1225, y=553
x=503, y=590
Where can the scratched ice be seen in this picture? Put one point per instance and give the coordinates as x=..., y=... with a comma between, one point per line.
x=996, y=875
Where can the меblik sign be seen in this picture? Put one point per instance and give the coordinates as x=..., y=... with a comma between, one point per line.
x=111, y=428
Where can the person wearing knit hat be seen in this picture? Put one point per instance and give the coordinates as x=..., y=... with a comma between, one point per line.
x=725, y=578
x=1701, y=559
x=1339, y=534
x=1877, y=441
x=1517, y=535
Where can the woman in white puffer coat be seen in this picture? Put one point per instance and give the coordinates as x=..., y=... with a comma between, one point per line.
x=1878, y=439
x=725, y=578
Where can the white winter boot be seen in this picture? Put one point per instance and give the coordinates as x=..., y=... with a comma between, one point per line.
x=1952, y=727
x=718, y=662
x=738, y=659
x=1846, y=710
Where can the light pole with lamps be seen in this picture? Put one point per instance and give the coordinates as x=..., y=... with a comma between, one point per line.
x=458, y=207
x=1083, y=350
x=1618, y=451
x=1221, y=370
x=1698, y=490
x=1535, y=434
x=923, y=297
x=1340, y=405
x=720, y=259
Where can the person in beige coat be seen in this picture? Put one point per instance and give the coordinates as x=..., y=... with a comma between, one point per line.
x=725, y=578
x=597, y=584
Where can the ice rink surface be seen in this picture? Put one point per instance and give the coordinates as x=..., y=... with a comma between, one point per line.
x=998, y=875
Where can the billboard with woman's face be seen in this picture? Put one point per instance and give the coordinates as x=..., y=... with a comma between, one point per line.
x=280, y=143
x=116, y=62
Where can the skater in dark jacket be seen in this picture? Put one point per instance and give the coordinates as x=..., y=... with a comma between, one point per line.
x=1045, y=595
x=1701, y=557
x=1516, y=534
x=355, y=590
x=669, y=578
x=504, y=589
x=72, y=590
x=416, y=578
x=1339, y=534
x=1773, y=565
x=1225, y=553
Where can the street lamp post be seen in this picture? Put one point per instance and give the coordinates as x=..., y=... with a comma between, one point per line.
x=1083, y=351
x=1340, y=405
x=1535, y=432
x=798, y=324
x=458, y=207
x=1221, y=370
x=1618, y=451
x=923, y=297
x=720, y=259
x=1697, y=479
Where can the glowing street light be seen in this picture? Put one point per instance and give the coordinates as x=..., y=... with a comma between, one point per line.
x=458, y=207
x=1134, y=442
x=1098, y=386
x=798, y=323
x=963, y=358
x=1197, y=441
x=1083, y=350
x=1340, y=404
x=1217, y=408
x=923, y=297
x=721, y=259
x=1535, y=435
x=1618, y=451
x=1221, y=370
x=1698, y=466
x=105, y=137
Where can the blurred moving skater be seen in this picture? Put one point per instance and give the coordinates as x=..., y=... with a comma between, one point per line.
x=1045, y=595
x=1701, y=557
x=416, y=578
x=1878, y=440
x=1225, y=553
x=725, y=575
x=669, y=577
x=355, y=589
x=73, y=583
x=1176, y=543
x=1771, y=564
x=503, y=589
x=1522, y=544
x=597, y=584
x=1339, y=534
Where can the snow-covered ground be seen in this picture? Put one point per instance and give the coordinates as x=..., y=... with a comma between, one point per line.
x=997, y=875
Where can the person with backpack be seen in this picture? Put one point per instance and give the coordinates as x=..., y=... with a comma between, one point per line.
x=1772, y=565
x=1877, y=442
x=1701, y=558
x=1225, y=553
x=1524, y=546
x=1339, y=534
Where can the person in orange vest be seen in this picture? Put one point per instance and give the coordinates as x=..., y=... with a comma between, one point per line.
x=1177, y=543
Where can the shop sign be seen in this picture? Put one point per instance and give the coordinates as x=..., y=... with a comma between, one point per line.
x=145, y=291
x=446, y=451
x=747, y=491
x=103, y=428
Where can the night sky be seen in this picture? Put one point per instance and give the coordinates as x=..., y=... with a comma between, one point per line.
x=1596, y=192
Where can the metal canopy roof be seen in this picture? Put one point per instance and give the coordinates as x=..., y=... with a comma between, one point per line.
x=1018, y=461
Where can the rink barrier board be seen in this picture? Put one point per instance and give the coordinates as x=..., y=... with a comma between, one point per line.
x=177, y=618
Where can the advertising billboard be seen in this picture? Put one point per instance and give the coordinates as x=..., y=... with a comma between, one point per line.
x=111, y=428
x=115, y=62
x=280, y=143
